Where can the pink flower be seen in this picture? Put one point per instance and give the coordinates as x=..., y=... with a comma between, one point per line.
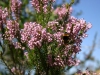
x=15, y=5
x=58, y=62
x=34, y=34
x=3, y=15
x=12, y=29
x=58, y=38
x=36, y=4
x=53, y=25
x=13, y=69
x=61, y=11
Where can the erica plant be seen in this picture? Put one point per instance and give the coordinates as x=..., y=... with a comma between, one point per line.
x=48, y=44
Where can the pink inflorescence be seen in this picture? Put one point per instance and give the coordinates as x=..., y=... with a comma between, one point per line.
x=12, y=29
x=15, y=5
x=33, y=34
x=3, y=15
x=77, y=26
x=53, y=25
x=76, y=30
x=38, y=7
x=62, y=11
x=57, y=37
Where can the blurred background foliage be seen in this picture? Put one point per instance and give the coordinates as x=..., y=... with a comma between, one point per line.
x=28, y=14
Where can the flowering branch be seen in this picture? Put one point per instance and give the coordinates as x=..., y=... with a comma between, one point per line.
x=49, y=44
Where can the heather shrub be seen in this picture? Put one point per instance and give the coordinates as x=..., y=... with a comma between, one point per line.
x=48, y=44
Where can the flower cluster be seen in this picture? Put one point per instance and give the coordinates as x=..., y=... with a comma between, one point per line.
x=57, y=37
x=3, y=16
x=59, y=61
x=15, y=5
x=74, y=30
x=12, y=29
x=53, y=25
x=62, y=11
x=33, y=34
x=41, y=5
x=77, y=26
